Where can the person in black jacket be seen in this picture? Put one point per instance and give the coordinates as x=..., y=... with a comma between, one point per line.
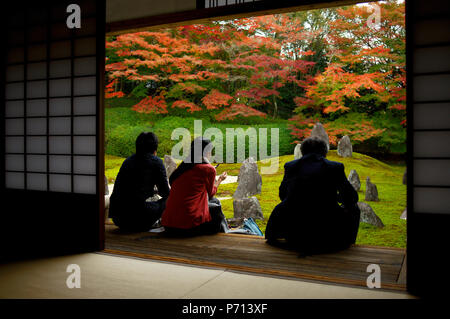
x=318, y=212
x=135, y=183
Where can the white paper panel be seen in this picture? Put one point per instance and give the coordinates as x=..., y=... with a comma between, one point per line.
x=16, y=37
x=432, y=172
x=84, y=105
x=37, y=182
x=59, y=106
x=85, y=66
x=14, y=126
x=59, y=126
x=84, y=164
x=14, y=180
x=14, y=108
x=432, y=144
x=37, y=163
x=14, y=73
x=85, y=86
x=59, y=144
x=37, y=33
x=15, y=19
x=85, y=46
x=60, y=87
x=14, y=91
x=432, y=200
x=60, y=31
x=88, y=27
x=37, y=107
x=37, y=144
x=84, y=184
x=434, y=59
x=36, y=89
x=84, y=125
x=37, y=15
x=89, y=8
x=431, y=31
x=60, y=164
x=432, y=116
x=14, y=163
x=60, y=183
x=430, y=7
x=37, y=71
x=84, y=145
x=431, y=87
x=37, y=52
x=60, y=68
x=36, y=126
x=60, y=49
x=14, y=144
x=16, y=55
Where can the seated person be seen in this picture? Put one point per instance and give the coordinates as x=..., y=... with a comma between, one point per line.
x=191, y=208
x=309, y=216
x=135, y=183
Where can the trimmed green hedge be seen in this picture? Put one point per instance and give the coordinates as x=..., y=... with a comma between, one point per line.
x=123, y=125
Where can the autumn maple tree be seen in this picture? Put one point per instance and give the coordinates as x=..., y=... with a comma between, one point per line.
x=325, y=65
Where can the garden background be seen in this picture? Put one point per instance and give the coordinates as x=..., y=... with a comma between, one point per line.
x=285, y=71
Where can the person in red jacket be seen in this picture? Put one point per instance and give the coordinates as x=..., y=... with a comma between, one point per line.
x=191, y=208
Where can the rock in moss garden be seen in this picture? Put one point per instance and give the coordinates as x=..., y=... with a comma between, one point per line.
x=247, y=207
x=249, y=180
x=345, y=148
x=353, y=178
x=368, y=216
x=319, y=132
x=170, y=165
x=297, y=151
x=371, y=191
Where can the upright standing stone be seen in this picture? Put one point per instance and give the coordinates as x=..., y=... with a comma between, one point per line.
x=249, y=180
x=345, y=148
x=371, y=191
x=106, y=186
x=249, y=184
x=297, y=151
x=319, y=132
x=368, y=215
x=247, y=207
x=405, y=213
x=170, y=165
x=353, y=178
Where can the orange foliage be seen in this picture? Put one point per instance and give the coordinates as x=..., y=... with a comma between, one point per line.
x=238, y=110
x=151, y=104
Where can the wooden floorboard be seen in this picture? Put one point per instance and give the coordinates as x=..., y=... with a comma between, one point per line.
x=252, y=254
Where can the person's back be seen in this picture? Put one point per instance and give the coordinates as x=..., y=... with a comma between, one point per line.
x=310, y=216
x=135, y=183
x=187, y=205
x=191, y=208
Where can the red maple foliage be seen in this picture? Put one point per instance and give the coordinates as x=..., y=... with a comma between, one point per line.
x=151, y=104
x=183, y=104
x=238, y=110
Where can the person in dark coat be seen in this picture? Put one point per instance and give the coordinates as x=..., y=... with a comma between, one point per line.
x=318, y=212
x=135, y=183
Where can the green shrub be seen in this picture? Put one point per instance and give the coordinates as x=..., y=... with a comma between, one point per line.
x=124, y=125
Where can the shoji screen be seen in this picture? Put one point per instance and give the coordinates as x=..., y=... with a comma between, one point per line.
x=428, y=43
x=52, y=122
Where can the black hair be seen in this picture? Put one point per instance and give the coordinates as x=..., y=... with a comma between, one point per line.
x=199, y=146
x=146, y=142
x=314, y=145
